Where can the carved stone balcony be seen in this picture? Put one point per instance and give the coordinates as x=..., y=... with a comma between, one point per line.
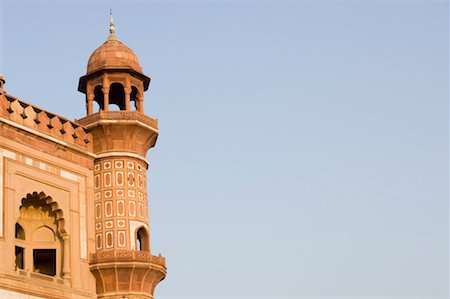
x=109, y=256
x=127, y=272
x=119, y=115
x=121, y=131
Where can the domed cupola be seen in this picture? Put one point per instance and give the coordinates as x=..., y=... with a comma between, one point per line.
x=113, y=77
x=115, y=81
x=113, y=54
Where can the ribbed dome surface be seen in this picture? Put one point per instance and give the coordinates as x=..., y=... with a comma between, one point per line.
x=113, y=54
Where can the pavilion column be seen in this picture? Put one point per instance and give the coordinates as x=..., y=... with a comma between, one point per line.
x=139, y=103
x=127, y=99
x=90, y=104
x=105, y=98
x=66, y=256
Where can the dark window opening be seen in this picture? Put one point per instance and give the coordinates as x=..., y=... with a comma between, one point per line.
x=98, y=97
x=117, y=96
x=142, y=242
x=45, y=261
x=19, y=257
x=133, y=98
x=20, y=233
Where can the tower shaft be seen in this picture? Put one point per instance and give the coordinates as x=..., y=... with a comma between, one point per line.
x=122, y=264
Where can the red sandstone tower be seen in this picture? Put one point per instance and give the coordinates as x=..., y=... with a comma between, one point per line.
x=122, y=264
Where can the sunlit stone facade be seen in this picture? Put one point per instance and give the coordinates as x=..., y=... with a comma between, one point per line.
x=73, y=194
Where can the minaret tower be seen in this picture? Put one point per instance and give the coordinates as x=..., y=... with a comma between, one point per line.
x=122, y=264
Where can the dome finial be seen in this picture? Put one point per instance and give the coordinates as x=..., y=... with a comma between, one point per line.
x=112, y=28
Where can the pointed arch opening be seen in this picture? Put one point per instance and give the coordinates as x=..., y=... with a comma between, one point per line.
x=39, y=233
x=142, y=240
x=44, y=234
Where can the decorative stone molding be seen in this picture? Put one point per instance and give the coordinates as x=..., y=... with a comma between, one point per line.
x=121, y=131
x=110, y=256
x=41, y=200
x=92, y=119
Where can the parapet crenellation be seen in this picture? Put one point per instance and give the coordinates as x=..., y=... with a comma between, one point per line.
x=30, y=116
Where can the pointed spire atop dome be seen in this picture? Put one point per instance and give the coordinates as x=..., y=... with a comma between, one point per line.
x=115, y=57
x=112, y=28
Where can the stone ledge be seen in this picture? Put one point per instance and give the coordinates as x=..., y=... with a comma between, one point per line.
x=42, y=288
x=126, y=272
x=126, y=256
x=118, y=116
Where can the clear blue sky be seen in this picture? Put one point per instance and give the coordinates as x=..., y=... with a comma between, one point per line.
x=303, y=145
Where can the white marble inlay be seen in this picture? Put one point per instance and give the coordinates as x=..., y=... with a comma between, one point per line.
x=42, y=166
x=28, y=161
x=68, y=175
x=9, y=154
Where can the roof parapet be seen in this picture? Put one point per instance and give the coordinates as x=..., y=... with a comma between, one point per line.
x=30, y=116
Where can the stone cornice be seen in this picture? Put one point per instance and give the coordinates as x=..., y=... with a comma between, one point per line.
x=118, y=116
x=114, y=256
x=129, y=132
